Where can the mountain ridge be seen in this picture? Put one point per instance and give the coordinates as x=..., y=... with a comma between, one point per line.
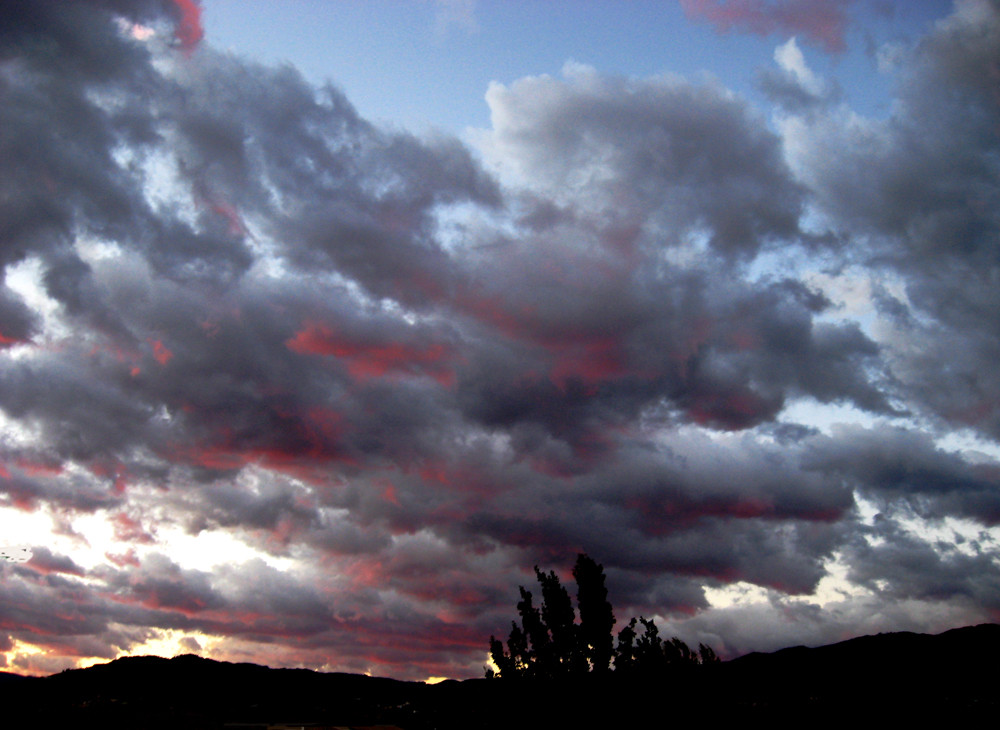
x=900, y=673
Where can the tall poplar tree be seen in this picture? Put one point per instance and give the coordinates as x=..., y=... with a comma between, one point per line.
x=597, y=618
x=549, y=643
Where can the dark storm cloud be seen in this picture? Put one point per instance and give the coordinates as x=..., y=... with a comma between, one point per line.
x=57, y=143
x=358, y=351
x=80, y=415
x=897, y=465
x=29, y=482
x=208, y=129
x=896, y=563
x=607, y=291
x=58, y=611
x=334, y=191
x=362, y=199
x=232, y=504
x=932, y=176
x=54, y=33
x=698, y=509
x=18, y=322
x=722, y=353
x=922, y=188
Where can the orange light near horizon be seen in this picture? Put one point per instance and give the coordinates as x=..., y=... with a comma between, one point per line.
x=34, y=660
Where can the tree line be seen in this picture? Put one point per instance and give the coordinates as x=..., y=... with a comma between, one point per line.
x=549, y=643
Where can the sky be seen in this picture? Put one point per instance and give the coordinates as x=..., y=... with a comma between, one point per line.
x=322, y=323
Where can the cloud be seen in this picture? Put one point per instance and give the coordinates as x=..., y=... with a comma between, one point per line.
x=894, y=466
x=821, y=21
x=397, y=373
x=793, y=85
x=921, y=187
x=647, y=148
x=775, y=624
x=189, y=30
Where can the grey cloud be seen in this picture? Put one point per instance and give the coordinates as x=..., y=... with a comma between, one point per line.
x=931, y=176
x=902, y=565
x=80, y=416
x=788, y=92
x=921, y=188
x=652, y=148
x=253, y=508
x=272, y=336
x=893, y=465
x=46, y=561
x=777, y=624
x=27, y=487
x=17, y=321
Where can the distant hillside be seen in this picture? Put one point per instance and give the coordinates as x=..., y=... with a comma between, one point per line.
x=892, y=676
x=896, y=673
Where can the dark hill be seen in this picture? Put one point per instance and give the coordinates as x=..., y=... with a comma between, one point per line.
x=897, y=673
x=888, y=676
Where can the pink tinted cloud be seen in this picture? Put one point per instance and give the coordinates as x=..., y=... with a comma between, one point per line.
x=314, y=441
x=10, y=341
x=731, y=411
x=370, y=360
x=123, y=559
x=823, y=22
x=217, y=204
x=45, y=562
x=130, y=530
x=189, y=31
x=592, y=362
x=161, y=352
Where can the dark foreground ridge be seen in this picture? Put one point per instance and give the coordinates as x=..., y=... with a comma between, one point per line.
x=891, y=676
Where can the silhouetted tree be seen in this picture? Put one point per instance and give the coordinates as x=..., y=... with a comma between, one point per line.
x=549, y=643
x=645, y=653
x=517, y=661
x=597, y=619
x=500, y=659
x=563, y=654
x=707, y=655
x=625, y=660
x=534, y=628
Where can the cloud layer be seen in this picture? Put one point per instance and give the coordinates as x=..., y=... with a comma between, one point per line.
x=823, y=22
x=399, y=374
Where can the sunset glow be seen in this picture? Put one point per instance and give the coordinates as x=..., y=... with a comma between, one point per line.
x=323, y=323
